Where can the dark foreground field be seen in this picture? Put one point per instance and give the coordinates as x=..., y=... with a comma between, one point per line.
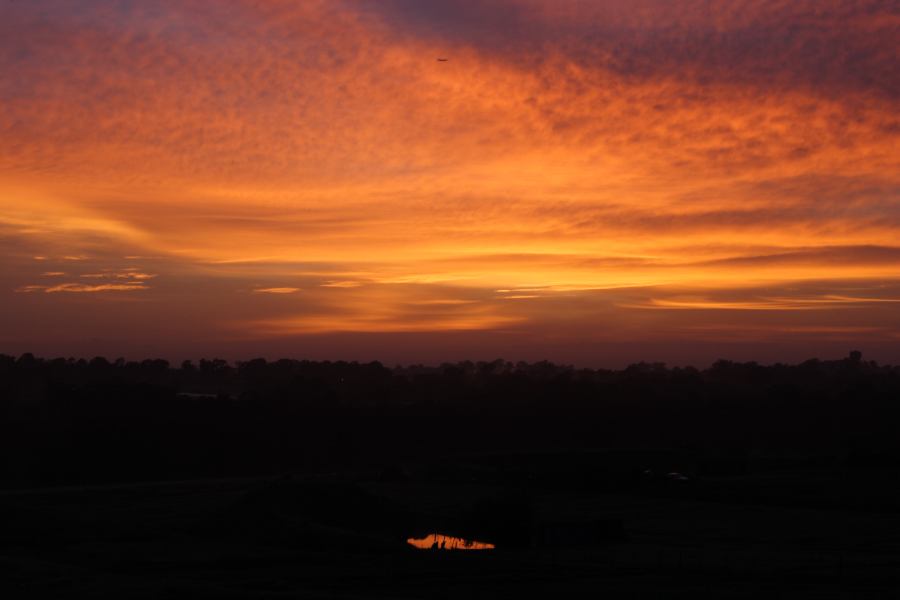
x=788, y=534
x=299, y=479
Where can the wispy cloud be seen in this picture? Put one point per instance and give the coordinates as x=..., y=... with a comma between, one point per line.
x=81, y=288
x=125, y=274
x=276, y=290
x=826, y=302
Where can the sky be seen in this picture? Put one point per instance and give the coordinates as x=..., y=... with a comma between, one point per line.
x=589, y=182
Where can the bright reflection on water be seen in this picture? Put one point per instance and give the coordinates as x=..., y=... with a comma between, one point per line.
x=436, y=541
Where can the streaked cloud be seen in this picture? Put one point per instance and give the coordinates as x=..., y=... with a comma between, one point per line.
x=276, y=290
x=386, y=314
x=82, y=288
x=828, y=302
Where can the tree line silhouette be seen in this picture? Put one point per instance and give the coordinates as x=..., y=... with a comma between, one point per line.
x=68, y=421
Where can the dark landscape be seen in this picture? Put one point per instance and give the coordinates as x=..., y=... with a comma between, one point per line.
x=306, y=479
x=343, y=213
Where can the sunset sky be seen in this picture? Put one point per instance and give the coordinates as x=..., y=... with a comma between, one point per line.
x=589, y=182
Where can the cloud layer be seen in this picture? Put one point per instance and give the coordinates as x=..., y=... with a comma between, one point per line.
x=635, y=172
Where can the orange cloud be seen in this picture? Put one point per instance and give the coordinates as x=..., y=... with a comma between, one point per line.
x=276, y=290
x=590, y=160
x=79, y=288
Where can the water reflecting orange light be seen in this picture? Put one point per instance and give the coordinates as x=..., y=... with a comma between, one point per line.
x=436, y=541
